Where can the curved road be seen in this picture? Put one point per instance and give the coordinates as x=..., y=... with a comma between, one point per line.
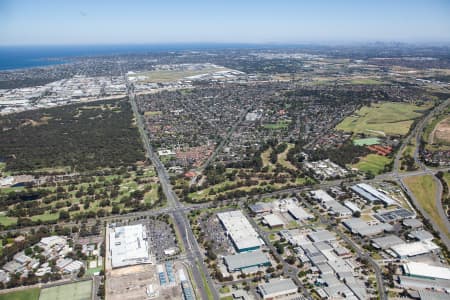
x=423, y=170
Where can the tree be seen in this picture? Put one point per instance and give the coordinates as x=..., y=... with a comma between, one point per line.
x=81, y=272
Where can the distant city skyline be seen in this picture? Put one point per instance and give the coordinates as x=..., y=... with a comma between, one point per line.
x=27, y=22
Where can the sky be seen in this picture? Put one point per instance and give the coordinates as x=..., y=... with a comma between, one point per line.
x=61, y=22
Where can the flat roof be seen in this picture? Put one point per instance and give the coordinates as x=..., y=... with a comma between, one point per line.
x=277, y=287
x=273, y=220
x=246, y=260
x=128, y=246
x=240, y=230
x=358, y=226
x=321, y=195
x=322, y=235
x=426, y=270
x=385, y=242
x=299, y=213
x=413, y=249
x=414, y=223
x=421, y=235
x=375, y=193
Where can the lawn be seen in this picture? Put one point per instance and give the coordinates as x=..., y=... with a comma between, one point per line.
x=265, y=157
x=152, y=113
x=447, y=180
x=205, y=283
x=424, y=189
x=46, y=217
x=277, y=125
x=366, y=141
x=28, y=294
x=373, y=163
x=282, y=158
x=73, y=291
x=6, y=221
x=387, y=118
x=368, y=81
x=224, y=290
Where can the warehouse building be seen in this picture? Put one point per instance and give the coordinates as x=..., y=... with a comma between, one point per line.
x=273, y=221
x=276, y=288
x=413, y=249
x=299, y=213
x=385, y=242
x=260, y=208
x=423, y=270
x=247, y=262
x=240, y=231
x=372, y=195
x=128, y=246
x=362, y=228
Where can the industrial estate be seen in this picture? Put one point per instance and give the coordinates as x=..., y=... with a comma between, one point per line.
x=284, y=173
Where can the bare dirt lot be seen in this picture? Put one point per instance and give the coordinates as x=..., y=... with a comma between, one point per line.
x=442, y=131
x=131, y=283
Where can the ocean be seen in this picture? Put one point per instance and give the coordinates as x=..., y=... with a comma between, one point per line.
x=19, y=57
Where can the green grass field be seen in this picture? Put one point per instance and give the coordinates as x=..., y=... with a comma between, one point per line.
x=73, y=291
x=277, y=125
x=282, y=158
x=29, y=294
x=424, y=189
x=373, y=163
x=447, y=180
x=4, y=220
x=366, y=141
x=367, y=81
x=387, y=118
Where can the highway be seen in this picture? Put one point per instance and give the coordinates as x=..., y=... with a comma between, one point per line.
x=193, y=252
x=416, y=134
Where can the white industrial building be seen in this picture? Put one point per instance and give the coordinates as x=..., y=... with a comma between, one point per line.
x=299, y=213
x=277, y=288
x=273, y=221
x=423, y=270
x=371, y=194
x=128, y=246
x=413, y=249
x=240, y=231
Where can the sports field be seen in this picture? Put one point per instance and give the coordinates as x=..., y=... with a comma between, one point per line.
x=387, y=118
x=366, y=141
x=373, y=163
x=73, y=291
x=28, y=294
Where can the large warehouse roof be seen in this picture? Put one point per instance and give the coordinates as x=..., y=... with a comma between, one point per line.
x=413, y=249
x=240, y=230
x=321, y=195
x=371, y=194
x=385, y=242
x=128, y=246
x=426, y=270
x=277, y=287
x=246, y=260
x=299, y=213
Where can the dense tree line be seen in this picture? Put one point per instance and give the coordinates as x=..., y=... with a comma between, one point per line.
x=82, y=136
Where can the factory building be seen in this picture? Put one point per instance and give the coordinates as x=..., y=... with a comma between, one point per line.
x=240, y=231
x=128, y=246
x=277, y=288
x=372, y=195
x=247, y=262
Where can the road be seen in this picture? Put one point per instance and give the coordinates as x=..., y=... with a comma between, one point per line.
x=289, y=270
x=193, y=253
x=416, y=134
x=360, y=252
